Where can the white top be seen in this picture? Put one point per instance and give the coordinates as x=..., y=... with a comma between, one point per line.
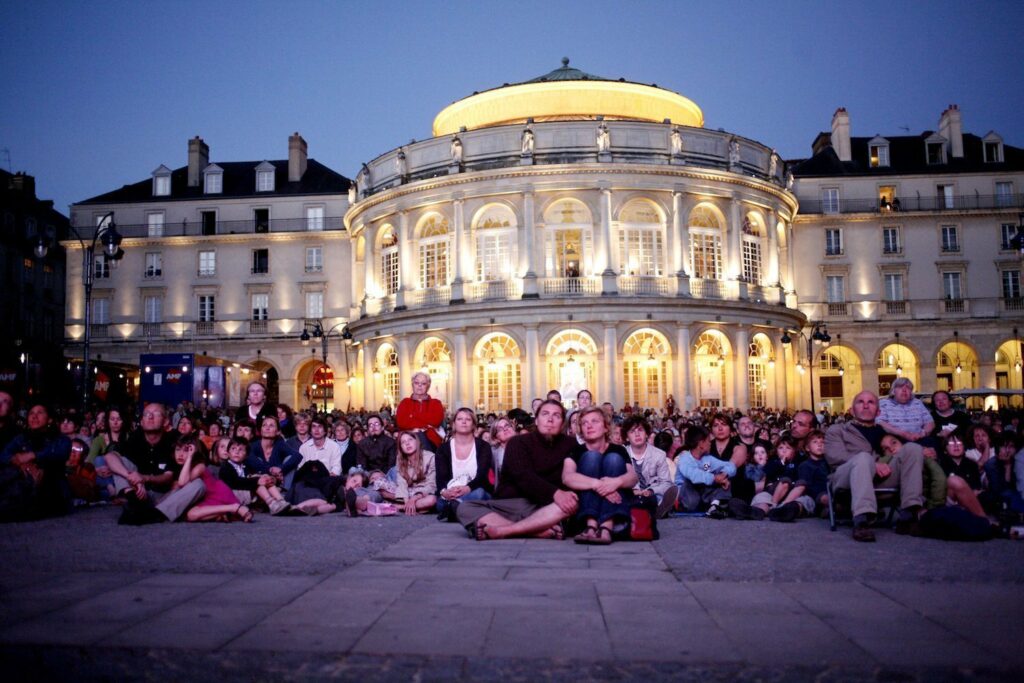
x=467, y=467
x=329, y=455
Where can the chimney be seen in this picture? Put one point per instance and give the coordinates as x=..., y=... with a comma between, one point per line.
x=841, y=134
x=198, y=159
x=296, y=158
x=951, y=128
x=24, y=184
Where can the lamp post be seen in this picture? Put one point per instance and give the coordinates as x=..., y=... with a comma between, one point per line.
x=106, y=234
x=819, y=335
x=324, y=337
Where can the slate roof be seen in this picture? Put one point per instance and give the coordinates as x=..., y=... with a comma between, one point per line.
x=906, y=157
x=239, y=181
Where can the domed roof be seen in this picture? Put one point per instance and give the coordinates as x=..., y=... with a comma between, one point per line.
x=567, y=94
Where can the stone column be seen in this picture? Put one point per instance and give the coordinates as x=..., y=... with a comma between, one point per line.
x=772, y=248
x=404, y=366
x=684, y=386
x=787, y=277
x=610, y=380
x=527, y=249
x=732, y=252
x=779, y=400
x=929, y=381
x=681, y=207
x=370, y=264
x=458, y=296
x=462, y=372
x=369, y=381
x=534, y=365
x=742, y=369
x=606, y=260
x=406, y=270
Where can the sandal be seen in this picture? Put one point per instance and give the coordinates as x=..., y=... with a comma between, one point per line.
x=602, y=538
x=588, y=537
x=244, y=516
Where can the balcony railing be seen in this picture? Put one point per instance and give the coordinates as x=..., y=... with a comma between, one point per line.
x=100, y=330
x=1013, y=303
x=838, y=308
x=955, y=305
x=257, y=327
x=205, y=327
x=434, y=296
x=570, y=286
x=895, y=307
x=639, y=285
x=963, y=202
x=707, y=289
x=495, y=290
x=199, y=228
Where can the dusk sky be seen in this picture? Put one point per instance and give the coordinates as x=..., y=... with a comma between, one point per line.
x=99, y=94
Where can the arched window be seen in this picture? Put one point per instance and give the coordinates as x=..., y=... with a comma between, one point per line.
x=434, y=245
x=645, y=359
x=710, y=360
x=572, y=362
x=753, y=236
x=895, y=360
x=567, y=239
x=759, y=360
x=495, y=230
x=498, y=374
x=388, y=260
x=705, y=243
x=641, y=239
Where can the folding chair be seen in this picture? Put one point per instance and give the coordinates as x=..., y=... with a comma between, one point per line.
x=888, y=499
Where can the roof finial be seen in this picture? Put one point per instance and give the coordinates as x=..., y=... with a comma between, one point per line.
x=565, y=62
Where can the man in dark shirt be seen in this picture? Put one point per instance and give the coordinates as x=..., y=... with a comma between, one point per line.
x=377, y=450
x=531, y=499
x=852, y=449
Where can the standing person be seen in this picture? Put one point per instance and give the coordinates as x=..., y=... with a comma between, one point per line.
x=650, y=464
x=852, y=449
x=256, y=404
x=377, y=450
x=603, y=474
x=464, y=467
x=530, y=499
x=421, y=413
x=417, y=479
x=32, y=471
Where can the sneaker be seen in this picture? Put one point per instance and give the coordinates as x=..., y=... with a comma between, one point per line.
x=740, y=509
x=863, y=534
x=278, y=506
x=668, y=501
x=717, y=511
x=784, y=513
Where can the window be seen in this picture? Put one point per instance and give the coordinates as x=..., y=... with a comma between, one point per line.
x=155, y=224
x=950, y=239
x=936, y=152
x=207, y=263
x=1004, y=194
x=209, y=221
x=640, y=250
x=434, y=243
x=1011, y=284
x=154, y=264
x=494, y=255
x=891, y=243
x=830, y=200
x=752, y=259
x=1007, y=231
x=833, y=241
x=213, y=182
x=265, y=181
x=314, y=305
x=314, y=259
x=101, y=267
x=893, y=286
x=389, y=261
x=945, y=193
x=161, y=185
x=260, y=261
x=260, y=304
x=879, y=155
x=101, y=311
x=706, y=255
x=261, y=219
x=993, y=151
x=153, y=309
x=207, y=308
x=315, y=218
x=835, y=289
x=952, y=287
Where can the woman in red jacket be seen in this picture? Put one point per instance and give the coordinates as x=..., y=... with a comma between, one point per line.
x=422, y=414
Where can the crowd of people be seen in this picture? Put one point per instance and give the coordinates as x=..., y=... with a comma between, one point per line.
x=546, y=471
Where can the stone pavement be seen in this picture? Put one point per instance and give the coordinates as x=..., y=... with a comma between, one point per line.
x=712, y=600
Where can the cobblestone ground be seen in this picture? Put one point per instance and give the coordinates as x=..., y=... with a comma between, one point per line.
x=412, y=599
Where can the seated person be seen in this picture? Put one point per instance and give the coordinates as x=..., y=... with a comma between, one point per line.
x=783, y=499
x=603, y=475
x=530, y=499
x=650, y=464
x=416, y=487
x=1005, y=475
x=464, y=466
x=219, y=502
x=702, y=479
x=33, y=469
x=359, y=492
x=248, y=483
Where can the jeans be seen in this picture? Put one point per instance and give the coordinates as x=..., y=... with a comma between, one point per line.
x=593, y=505
x=475, y=494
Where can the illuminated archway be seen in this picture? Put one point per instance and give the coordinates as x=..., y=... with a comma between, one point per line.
x=896, y=359
x=572, y=363
x=710, y=351
x=568, y=241
x=760, y=366
x=434, y=357
x=499, y=373
x=646, y=356
x=385, y=371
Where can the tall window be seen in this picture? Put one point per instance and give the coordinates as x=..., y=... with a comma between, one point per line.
x=833, y=241
x=389, y=261
x=751, y=248
x=946, y=199
x=392, y=380
x=101, y=311
x=207, y=308
x=879, y=155
x=950, y=238
x=314, y=259
x=645, y=369
x=1007, y=231
x=891, y=243
x=162, y=185
x=641, y=243
x=830, y=200
x=260, y=305
x=434, y=249
x=314, y=218
x=495, y=231
x=213, y=182
x=1004, y=194
x=1011, y=284
x=207, y=263
x=153, y=309
x=264, y=181
x=155, y=224
x=568, y=247
x=499, y=382
x=705, y=244
x=154, y=264
x=936, y=153
x=893, y=286
x=835, y=289
x=952, y=287
x=314, y=304
x=101, y=266
x=260, y=261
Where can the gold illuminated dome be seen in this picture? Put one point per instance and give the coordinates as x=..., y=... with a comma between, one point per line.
x=567, y=94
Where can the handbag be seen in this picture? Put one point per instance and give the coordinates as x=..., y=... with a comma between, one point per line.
x=643, y=518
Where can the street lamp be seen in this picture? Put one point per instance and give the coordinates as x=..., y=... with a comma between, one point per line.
x=107, y=235
x=819, y=336
x=324, y=337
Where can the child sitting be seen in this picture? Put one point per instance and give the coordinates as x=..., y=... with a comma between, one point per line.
x=814, y=471
x=244, y=482
x=359, y=494
x=755, y=467
x=219, y=503
x=781, y=498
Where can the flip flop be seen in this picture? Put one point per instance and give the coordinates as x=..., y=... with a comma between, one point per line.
x=587, y=537
x=602, y=538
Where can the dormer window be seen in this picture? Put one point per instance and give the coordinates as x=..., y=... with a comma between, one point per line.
x=162, y=182
x=265, y=177
x=878, y=153
x=935, y=150
x=992, y=146
x=213, y=179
